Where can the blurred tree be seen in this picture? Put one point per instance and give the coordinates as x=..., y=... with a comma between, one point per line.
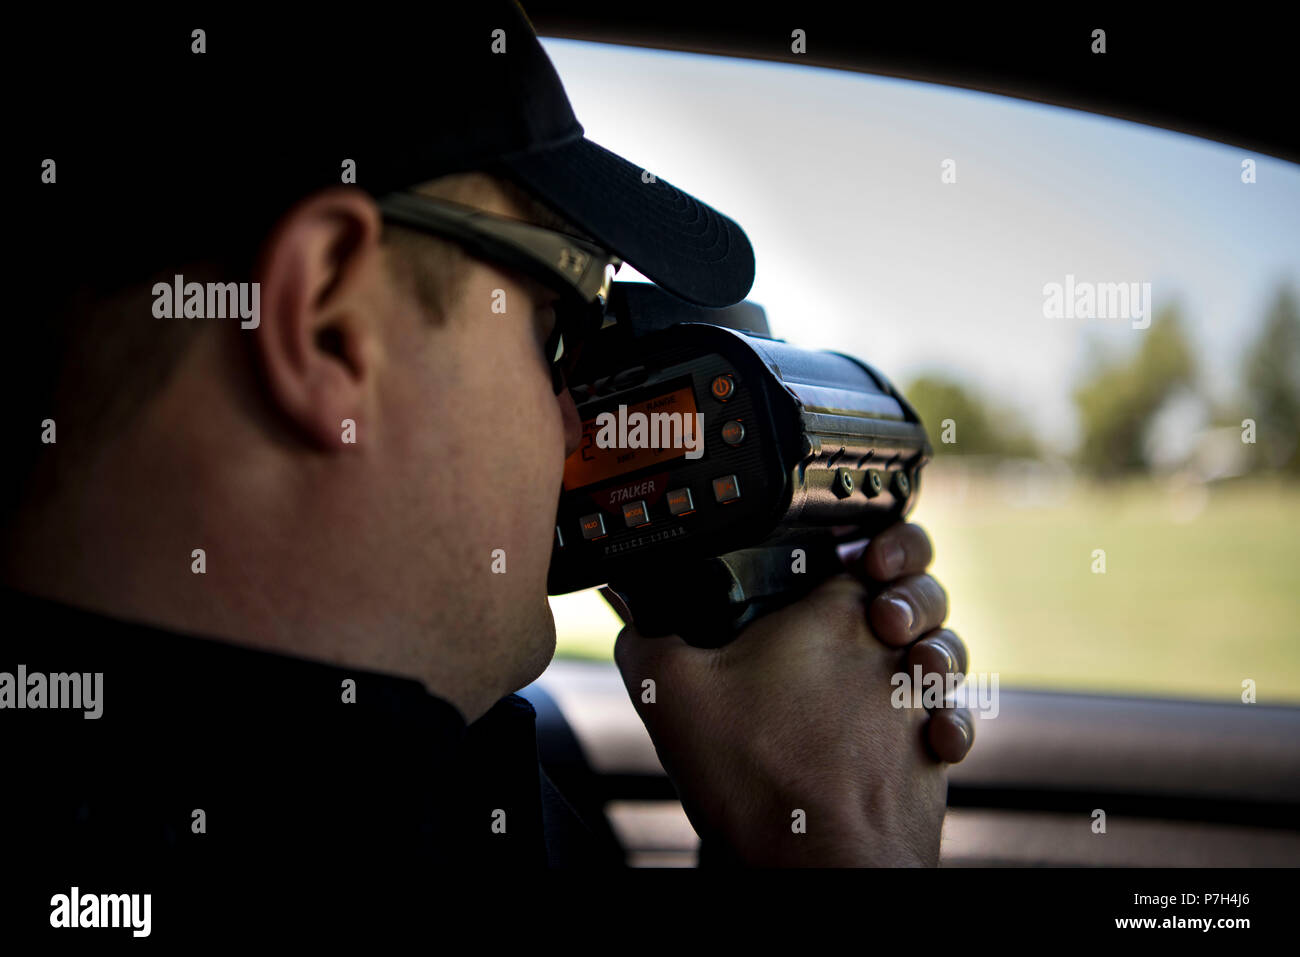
x=1272, y=383
x=953, y=411
x=1118, y=398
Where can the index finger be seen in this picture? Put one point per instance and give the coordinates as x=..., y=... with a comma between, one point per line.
x=902, y=549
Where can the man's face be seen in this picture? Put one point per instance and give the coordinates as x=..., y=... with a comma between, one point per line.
x=476, y=462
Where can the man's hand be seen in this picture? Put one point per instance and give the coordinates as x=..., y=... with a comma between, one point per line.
x=909, y=612
x=784, y=743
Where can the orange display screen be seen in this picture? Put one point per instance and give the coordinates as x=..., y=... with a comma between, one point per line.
x=664, y=420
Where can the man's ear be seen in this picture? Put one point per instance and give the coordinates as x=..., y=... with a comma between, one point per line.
x=318, y=337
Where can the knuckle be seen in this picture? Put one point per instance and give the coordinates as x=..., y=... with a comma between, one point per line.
x=918, y=543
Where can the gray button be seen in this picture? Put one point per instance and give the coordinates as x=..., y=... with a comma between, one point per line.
x=733, y=432
x=593, y=525
x=679, y=501
x=899, y=485
x=635, y=514
x=726, y=488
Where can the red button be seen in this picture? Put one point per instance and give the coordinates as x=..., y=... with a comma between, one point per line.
x=679, y=502
x=726, y=489
x=634, y=514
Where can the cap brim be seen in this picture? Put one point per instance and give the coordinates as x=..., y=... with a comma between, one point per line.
x=673, y=239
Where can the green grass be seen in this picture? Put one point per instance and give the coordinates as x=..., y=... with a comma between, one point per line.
x=1200, y=590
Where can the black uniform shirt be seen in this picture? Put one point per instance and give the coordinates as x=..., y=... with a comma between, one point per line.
x=212, y=758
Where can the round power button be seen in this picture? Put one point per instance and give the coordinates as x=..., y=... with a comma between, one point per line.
x=723, y=387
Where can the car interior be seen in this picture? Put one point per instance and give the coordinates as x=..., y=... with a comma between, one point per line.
x=1173, y=782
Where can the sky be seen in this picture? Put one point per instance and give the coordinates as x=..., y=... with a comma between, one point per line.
x=860, y=247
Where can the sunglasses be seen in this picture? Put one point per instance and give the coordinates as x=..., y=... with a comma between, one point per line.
x=580, y=271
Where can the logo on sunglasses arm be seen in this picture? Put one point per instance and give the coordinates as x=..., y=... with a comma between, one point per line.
x=573, y=260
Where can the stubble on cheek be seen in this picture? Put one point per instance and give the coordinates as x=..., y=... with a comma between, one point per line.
x=502, y=458
x=517, y=506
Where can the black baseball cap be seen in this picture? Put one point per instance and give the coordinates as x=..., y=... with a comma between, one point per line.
x=170, y=133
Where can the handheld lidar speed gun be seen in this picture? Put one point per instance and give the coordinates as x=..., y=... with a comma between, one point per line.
x=719, y=467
